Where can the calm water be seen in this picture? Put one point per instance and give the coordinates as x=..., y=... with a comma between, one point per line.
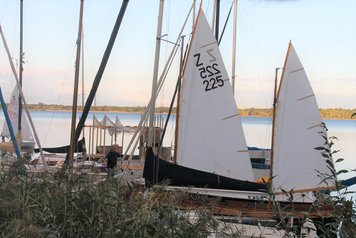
x=53, y=129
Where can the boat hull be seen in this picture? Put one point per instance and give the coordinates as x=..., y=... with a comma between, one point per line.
x=157, y=171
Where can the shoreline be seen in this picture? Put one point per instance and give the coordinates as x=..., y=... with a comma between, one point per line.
x=128, y=112
x=326, y=114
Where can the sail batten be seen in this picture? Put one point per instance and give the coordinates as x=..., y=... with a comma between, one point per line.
x=206, y=45
x=297, y=70
x=210, y=131
x=312, y=95
x=226, y=118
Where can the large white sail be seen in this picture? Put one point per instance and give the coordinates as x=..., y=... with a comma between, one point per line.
x=13, y=110
x=297, y=127
x=210, y=136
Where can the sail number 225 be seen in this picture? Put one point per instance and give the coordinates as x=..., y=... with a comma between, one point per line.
x=211, y=75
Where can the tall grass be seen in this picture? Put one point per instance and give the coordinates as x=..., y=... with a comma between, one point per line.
x=73, y=206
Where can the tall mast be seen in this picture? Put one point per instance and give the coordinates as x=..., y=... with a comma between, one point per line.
x=214, y=16
x=217, y=20
x=273, y=122
x=20, y=63
x=155, y=73
x=98, y=76
x=83, y=72
x=76, y=82
x=233, y=74
x=178, y=102
x=22, y=95
x=82, y=68
x=193, y=13
x=275, y=101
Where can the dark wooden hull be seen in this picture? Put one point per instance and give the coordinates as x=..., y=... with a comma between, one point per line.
x=157, y=171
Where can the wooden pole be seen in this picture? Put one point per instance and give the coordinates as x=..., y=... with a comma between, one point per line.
x=20, y=65
x=273, y=125
x=139, y=129
x=217, y=20
x=75, y=92
x=155, y=74
x=99, y=74
x=233, y=74
x=178, y=102
x=23, y=98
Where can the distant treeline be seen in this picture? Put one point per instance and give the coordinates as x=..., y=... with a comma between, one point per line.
x=331, y=113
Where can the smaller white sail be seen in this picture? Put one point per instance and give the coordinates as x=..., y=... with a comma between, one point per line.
x=13, y=110
x=296, y=132
x=210, y=136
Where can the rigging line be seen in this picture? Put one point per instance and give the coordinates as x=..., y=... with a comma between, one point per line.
x=178, y=84
x=167, y=19
x=59, y=94
x=251, y=37
x=4, y=10
x=161, y=81
x=226, y=21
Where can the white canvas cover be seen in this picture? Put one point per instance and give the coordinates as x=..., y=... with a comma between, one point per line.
x=96, y=122
x=112, y=127
x=121, y=127
x=297, y=124
x=210, y=136
x=13, y=110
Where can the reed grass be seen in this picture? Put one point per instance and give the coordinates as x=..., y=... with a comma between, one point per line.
x=59, y=205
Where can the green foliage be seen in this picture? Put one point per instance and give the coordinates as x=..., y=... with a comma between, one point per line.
x=344, y=210
x=64, y=206
x=341, y=220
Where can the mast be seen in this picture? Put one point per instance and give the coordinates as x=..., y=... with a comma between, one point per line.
x=233, y=74
x=83, y=73
x=214, y=15
x=23, y=97
x=20, y=63
x=155, y=73
x=273, y=126
x=275, y=100
x=160, y=83
x=178, y=102
x=99, y=75
x=193, y=13
x=76, y=81
x=217, y=20
x=82, y=69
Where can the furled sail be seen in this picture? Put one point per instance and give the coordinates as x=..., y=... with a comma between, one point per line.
x=296, y=132
x=210, y=135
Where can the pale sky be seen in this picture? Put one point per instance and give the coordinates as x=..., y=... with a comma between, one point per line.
x=323, y=33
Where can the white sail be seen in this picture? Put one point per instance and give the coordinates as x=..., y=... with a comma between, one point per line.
x=297, y=127
x=210, y=136
x=13, y=110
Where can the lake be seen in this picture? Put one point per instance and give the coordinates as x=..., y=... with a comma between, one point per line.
x=53, y=129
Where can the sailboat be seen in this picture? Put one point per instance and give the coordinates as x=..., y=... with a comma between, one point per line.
x=212, y=155
x=212, y=150
x=24, y=137
x=297, y=131
x=20, y=125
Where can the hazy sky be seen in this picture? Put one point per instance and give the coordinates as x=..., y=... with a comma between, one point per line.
x=323, y=33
